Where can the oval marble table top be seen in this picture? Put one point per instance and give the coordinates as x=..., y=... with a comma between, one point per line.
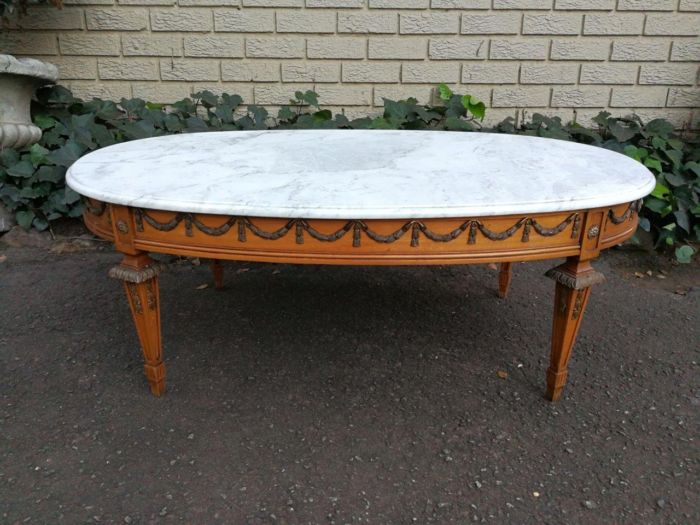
x=358, y=174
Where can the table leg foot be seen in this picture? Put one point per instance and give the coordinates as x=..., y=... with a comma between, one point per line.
x=217, y=269
x=573, y=279
x=504, y=277
x=140, y=276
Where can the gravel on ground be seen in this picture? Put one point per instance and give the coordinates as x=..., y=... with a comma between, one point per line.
x=307, y=394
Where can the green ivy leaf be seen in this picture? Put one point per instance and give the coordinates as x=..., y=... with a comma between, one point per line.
x=684, y=254
x=24, y=218
x=660, y=191
x=285, y=113
x=654, y=164
x=44, y=121
x=23, y=169
x=67, y=154
x=37, y=154
x=623, y=133
x=682, y=219
x=445, y=92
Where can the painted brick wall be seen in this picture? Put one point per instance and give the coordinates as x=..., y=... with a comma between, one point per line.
x=549, y=56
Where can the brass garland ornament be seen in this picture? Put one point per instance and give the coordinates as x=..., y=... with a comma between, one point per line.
x=358, y=227
x=632, y=209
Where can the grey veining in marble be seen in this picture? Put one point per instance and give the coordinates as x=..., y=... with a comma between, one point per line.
x=359, y=174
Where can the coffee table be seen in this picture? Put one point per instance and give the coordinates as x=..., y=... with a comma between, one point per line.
x=361, y=197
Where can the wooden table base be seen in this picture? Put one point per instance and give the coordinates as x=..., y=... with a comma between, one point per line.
x=579, y=236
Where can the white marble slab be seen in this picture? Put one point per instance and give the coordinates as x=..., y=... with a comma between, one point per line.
x=358, y=174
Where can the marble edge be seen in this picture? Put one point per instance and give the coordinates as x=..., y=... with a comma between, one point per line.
x=336, y=213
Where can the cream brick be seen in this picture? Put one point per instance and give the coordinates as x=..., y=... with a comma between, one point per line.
x=675, y=74
x=189, y=69
x=640, y=50
x=18, y=43
x=491, y=24
x=420, y=92
x=398, y=48
x=367, y=22
x=161, y=92
x=552, y=24
x=609, y=73
x=122, y=19
x=428, y=23
x=646, y=5
x=127, y=69
x=529, y=49
x=549, y=73
x=522, y=4
x=323, y=71
x=457, y=49
x=686, y=51
x=344, y=95
x=399, y=4
x=638, y=97
x=147, y=2
x=89, y=44
x=208, y=3
x=689, y=5
x=460, y=4
x=580, y=97
x=520, y=97
x=273, y=3
x=684, y=98
x=275, y=94
x=144, y=44
x=76, y=68
x=686, y=24
x=371, y=72
x=333, y=47
x=182, y=20
x=585, y=5
x=580, y=49
x=287, y=47
x=486, y=73
x=88, y=90
x=619, y=24
x=214, y=46
x=294, y=21
x=335, y=3
x=250, y=71
x=48, y=17
x=248, y=21
x=88, y=2
x=432, y=73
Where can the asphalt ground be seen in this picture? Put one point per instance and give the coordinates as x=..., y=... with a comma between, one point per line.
x=308, y=394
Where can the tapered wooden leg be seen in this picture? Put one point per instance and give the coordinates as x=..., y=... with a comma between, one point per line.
x=504, y=277
x=140, y=276
x=573, y=281
x=218, y=270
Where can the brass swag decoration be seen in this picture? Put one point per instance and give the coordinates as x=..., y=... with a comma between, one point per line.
x=301, y=226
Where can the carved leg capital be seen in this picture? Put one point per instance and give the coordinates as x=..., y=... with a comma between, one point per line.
x=136, y=269
x=573, y=281
x=576, y=274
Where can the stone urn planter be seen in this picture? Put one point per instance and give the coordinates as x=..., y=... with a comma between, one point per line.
x=19, y=78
